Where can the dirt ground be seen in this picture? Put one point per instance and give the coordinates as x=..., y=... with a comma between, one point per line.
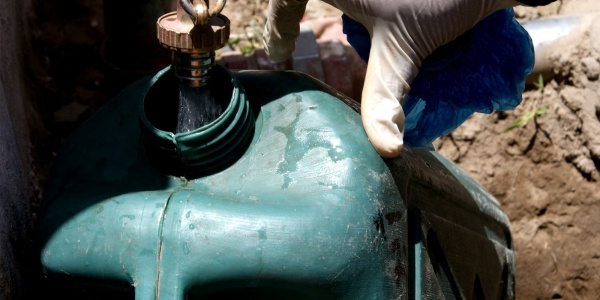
x=545, y=174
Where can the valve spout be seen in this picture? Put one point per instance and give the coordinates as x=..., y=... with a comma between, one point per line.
x=194, y=32
x=193, y=38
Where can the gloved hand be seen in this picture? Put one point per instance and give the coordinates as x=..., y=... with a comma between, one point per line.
x=403, y=33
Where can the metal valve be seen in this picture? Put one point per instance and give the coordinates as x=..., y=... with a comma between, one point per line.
x=200, y=11
x=194, y=32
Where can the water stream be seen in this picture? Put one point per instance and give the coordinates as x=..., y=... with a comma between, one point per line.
x=197, y=107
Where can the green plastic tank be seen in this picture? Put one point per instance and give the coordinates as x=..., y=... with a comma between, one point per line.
x=282, y=197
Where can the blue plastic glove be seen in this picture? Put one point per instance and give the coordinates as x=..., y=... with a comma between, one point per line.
x=402, y=34
x=481, y=71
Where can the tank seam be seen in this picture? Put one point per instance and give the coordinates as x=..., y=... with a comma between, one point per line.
x=160, y=245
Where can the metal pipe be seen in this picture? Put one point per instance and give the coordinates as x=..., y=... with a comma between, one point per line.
x=556, y=35
x=192, y=68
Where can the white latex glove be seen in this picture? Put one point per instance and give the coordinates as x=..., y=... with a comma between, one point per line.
x=403, y=33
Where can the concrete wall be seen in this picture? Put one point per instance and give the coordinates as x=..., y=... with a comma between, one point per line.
x=15, y=211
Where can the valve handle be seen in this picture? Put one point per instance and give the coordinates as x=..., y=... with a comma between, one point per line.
x=199, y=9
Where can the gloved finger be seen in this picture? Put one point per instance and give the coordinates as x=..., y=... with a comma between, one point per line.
x=390, y=70
x=283, y=27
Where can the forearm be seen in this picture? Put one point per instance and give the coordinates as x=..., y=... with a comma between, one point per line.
x=283, y=27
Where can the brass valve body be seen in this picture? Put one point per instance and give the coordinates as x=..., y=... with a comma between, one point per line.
x=179, y=36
